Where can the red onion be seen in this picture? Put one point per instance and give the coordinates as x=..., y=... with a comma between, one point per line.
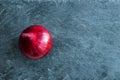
x=35, y=42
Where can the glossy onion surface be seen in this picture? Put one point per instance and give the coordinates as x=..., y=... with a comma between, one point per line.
x=35, y=42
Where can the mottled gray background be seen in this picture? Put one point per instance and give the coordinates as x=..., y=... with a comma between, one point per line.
x=86, y=39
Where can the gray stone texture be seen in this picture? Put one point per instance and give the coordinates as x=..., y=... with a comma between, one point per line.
x=86, y=39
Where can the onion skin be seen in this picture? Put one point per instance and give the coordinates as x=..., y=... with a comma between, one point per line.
x=35, y=42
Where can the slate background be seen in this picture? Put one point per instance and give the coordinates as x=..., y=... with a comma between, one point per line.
x=86, y=39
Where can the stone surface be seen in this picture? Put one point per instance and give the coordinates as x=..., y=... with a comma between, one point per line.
x=86, y=39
